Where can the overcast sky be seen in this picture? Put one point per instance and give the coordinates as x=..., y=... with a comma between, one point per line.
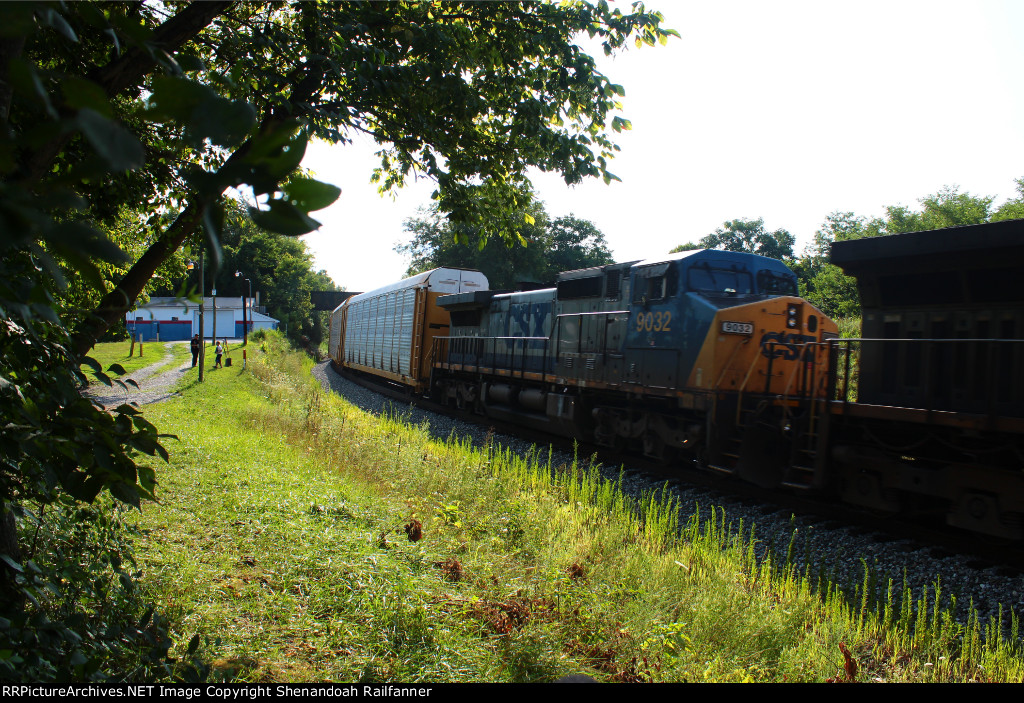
x=781, y=110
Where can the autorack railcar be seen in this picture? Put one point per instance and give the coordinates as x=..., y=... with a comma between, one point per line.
x=388, y=332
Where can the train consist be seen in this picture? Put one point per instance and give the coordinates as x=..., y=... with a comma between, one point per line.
x=710, y=355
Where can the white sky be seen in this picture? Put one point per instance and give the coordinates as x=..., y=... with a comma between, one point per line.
x=781, y=110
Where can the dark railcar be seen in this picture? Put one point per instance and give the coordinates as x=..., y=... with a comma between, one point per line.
x=938, y=426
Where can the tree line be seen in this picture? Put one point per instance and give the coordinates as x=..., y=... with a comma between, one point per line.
x=544, y=246
x=823, y=283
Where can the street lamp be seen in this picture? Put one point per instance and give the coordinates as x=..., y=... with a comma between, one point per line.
x=245, y=322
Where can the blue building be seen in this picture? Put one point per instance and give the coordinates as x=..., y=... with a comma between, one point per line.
x=169, y=319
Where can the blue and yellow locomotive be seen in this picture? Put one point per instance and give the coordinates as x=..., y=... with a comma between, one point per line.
x=709, y=353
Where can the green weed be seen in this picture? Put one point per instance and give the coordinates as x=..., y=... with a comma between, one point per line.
x=307, y=540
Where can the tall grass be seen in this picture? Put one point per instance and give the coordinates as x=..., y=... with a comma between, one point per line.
x=522, y=569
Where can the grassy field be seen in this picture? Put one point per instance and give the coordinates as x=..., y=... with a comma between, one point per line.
x=304, y=540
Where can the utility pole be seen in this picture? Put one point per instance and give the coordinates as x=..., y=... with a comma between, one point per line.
x=245, y=322
x=202, y=328
x=214, y=302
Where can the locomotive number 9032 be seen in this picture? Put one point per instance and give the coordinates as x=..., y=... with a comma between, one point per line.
x=738, y=328
x=654, y=321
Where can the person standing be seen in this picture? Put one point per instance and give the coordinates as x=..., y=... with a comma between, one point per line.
x=195, y=344
x=220, y=354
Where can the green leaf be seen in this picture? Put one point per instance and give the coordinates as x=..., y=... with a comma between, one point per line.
x=269, y=143
x=83, y=486
x=190, y=62
x=116, y=145
x=174, y=99
x=11, y=563
x=205, y=114
x=92, y=15
x=16, y=19
x=117, y=368
x=308, y=194
x=26, y=80
x=147, y=478
x=80, y=93
x=224, y=122
x=146, y=617
x=92, y=363
x=281, y=159
x=80, y=242
x=284, y=218
x=52, y=18
x=126, y=494
x=213, y=225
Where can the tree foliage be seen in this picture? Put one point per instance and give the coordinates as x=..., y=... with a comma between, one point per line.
x=1012, y=209
x=121, y=127
x=546, y=247
x=749, y=236
x=470, y=94
x=835, y=293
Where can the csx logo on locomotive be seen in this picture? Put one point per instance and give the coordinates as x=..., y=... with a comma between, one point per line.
x=779, y=345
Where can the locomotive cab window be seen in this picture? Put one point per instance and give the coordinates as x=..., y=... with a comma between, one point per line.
x=720, y=281
x=772, y=283
x=654, y=283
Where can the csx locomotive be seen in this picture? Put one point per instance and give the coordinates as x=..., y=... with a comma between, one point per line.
x=705, y=353
x=711, y=355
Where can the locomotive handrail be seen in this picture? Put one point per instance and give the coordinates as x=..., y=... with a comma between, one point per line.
x=809, y=384
x=750, y=371
x=593, y=312
x=802, y=356
x=735, y=350
x=510, y=353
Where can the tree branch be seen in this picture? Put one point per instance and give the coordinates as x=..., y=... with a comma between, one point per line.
x=128, y=70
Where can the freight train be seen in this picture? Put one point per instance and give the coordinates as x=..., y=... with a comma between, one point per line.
x=711, y=356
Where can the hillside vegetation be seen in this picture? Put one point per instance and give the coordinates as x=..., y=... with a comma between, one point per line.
x=298, y=538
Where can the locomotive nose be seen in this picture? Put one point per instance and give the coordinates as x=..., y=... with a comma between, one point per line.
x=769, y=346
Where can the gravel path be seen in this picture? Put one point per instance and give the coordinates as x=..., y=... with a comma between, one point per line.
x=840, y=551
x=155, y=382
